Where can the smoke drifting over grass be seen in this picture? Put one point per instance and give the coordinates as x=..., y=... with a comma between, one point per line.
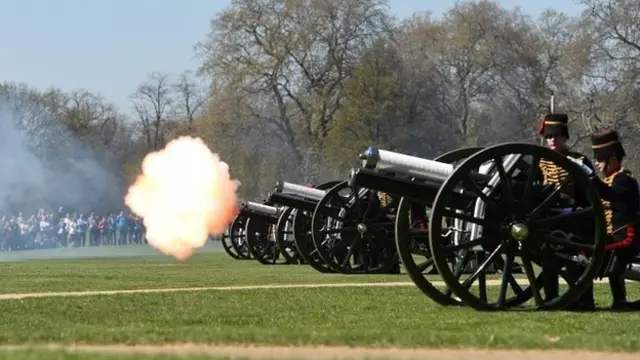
x=44, y=165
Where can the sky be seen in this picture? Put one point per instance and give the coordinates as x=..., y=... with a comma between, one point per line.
x=109, y=46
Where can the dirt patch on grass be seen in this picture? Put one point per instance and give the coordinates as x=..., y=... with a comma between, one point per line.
x=330, y=352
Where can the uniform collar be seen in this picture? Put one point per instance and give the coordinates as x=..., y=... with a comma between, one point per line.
x=614, y=172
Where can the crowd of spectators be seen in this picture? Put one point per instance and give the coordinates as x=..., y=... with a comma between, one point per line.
x=68, y=229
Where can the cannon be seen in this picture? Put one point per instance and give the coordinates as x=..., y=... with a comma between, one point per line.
x=259, y=230
x=234, y=240
x=300, y=201
x=360, y=237
x=490, y=206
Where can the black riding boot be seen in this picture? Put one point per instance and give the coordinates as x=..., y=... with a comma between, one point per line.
x=551, y=284
x=619, y=293
x=395, y=269
x=585, y=302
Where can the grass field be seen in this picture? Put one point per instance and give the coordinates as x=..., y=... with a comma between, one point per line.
x=230, y=312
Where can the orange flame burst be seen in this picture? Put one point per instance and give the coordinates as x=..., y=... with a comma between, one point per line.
x=184, y=194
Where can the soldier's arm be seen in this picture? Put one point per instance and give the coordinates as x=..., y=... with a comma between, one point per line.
x=588, y=163
x=626, y=200
x=538, y=176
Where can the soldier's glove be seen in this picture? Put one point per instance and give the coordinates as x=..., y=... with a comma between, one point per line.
x=585, y=169
x=582, y=260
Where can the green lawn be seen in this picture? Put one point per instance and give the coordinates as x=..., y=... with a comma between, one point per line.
x=386, y=316
x=202, y=270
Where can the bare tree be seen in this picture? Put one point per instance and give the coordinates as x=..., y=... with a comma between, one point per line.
x=295, y=55
x=190, y=99
x=152, y=103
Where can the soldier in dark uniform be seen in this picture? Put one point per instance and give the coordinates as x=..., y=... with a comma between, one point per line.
x=390, y=203
x=621, y=203
x=554, y=128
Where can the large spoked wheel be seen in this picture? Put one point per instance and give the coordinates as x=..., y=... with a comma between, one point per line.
x=511, y=218
x=226, y=244
x=412, y=239
x=302, y=236
x=284, y=237
x=238, y=237
x=304, y=244
x=352, y=233
x=261, y=240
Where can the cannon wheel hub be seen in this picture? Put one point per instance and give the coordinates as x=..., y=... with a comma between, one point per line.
x=519, y=231
x=362, y=228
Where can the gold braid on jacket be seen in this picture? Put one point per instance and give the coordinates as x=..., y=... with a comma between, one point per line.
x=385, y=199
x=608, y=211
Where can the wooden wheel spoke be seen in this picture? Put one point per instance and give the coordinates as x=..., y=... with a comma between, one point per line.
x=505, y=185
x=517, y=289
x=460, y=266
x=533, y=283
x=506, y=273
x=482, y=267
x=466, y=245
x=465, y=217
x=551, y=200
x=556, y=220
x=476, y=190
x=425, y=264
x=527, y=194
x=565, y=242
x=339, y=230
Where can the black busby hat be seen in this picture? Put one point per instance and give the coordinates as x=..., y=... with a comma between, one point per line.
x=607, y=144
x=555, y=125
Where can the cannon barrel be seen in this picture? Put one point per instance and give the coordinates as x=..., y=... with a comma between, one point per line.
x=375, y=158
x=393, y=162
x=300, y=203
x=370, y=179
x=300, y=190
x=424, y=191
x=260, y=209
x=293, y=201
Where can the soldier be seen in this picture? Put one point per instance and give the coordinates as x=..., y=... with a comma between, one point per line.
x=388, y=202
x=621, y=203
x=554, y=128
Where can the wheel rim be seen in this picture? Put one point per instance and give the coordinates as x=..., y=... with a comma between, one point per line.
x=239, y=238
x=261, y=240
x=302, y=236
x=517, y=226
x=227, y=244
x=304, y=244
x=284, y=237
x=412, y=240
x=350, y=234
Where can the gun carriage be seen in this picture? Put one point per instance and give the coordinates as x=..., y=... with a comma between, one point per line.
x=453, y=222
x=485, y=205
x=260, y=229
x=272, y=234
x=293, y=232
x=359, y=237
